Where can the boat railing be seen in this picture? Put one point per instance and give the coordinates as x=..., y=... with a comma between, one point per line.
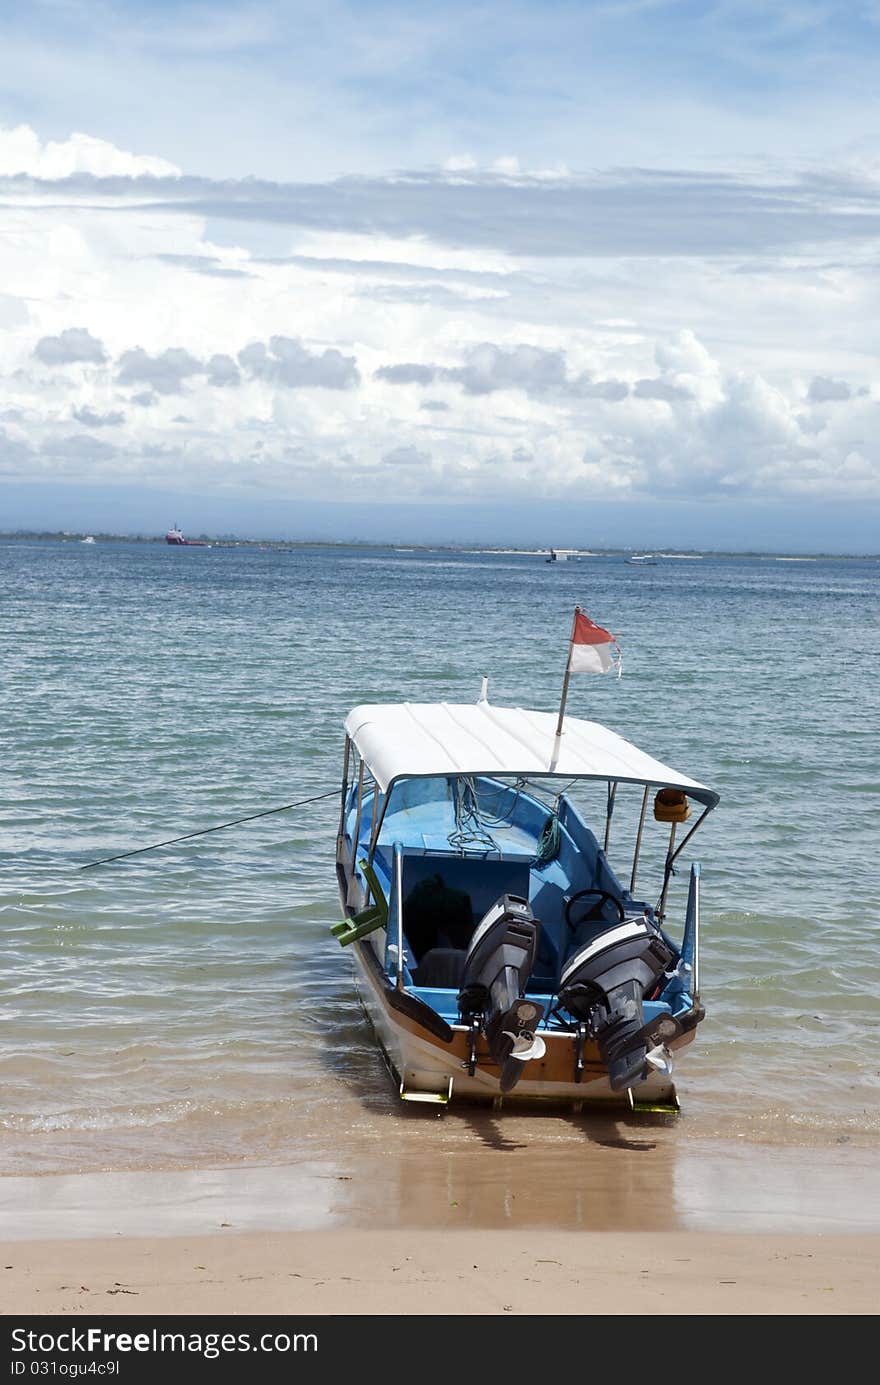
x=346, y=761
x=396, y=907
x=690, y=946
x=355, y=836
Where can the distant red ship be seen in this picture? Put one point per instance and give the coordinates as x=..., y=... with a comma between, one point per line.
x=175, y=536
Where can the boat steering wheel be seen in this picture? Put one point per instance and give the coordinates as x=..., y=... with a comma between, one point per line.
x=593, y=913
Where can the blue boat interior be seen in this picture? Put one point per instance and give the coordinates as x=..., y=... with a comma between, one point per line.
x=465, y=841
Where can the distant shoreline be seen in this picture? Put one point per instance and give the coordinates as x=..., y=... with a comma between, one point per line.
x=228, y=541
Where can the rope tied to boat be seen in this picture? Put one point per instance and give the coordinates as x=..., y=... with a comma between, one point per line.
x=203, y=832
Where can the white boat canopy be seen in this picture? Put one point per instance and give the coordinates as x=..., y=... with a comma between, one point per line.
x=407, y=740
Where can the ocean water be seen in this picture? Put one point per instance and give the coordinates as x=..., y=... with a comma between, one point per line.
x=189, y=1006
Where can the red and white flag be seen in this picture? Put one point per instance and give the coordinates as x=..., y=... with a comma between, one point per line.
x=592, y=648
x=590, y=651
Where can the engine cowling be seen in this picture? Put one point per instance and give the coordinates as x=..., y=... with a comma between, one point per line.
x=499, y=962
x=603, y=985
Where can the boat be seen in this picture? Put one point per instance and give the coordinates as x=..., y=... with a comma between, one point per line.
x=176, y=538
x=499, y=954
x=556, y=556
x=642, y=559
x=90, y=538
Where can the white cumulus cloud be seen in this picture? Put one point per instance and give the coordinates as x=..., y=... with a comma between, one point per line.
x=22, y=151
x=482, y=333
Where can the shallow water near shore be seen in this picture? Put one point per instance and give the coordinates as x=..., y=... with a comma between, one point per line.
x=188, y=1008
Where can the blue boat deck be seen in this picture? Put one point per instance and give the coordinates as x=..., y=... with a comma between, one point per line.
x=445, y=1001
x=455, y=864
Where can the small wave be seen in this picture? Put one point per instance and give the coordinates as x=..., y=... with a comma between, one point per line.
x=98, y=1120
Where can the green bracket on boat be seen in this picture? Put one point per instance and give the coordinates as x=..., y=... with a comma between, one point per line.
x=656, y=1108
x=369, y=919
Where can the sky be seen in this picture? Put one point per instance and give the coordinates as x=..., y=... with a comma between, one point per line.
x=583, y=274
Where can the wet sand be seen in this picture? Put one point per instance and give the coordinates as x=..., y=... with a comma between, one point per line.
x=627, y=1220
x=599, y=1177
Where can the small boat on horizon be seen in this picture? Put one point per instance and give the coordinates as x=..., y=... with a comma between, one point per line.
x=88, y=539
x=176, y=539
x=497, y=950
x=642, y=559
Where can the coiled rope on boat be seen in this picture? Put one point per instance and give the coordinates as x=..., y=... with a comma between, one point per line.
x=469, y=832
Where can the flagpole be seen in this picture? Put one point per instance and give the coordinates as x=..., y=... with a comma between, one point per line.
x=557, y=740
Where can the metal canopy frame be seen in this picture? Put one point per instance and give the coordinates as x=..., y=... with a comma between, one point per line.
x=378, y=815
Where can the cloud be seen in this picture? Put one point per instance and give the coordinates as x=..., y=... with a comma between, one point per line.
x=222, y=371
x=23, y=152
x=660, y=389
x=287, y=362
x=407, y=374
x=407, y=458
x=16, y=454
x=570, y=365
x=91, y=419
x=825, y=391
x=165, y=373
x=530, y=369
x=78, y=448
x=684, y=354
x=72, y=346
x=13, y=311
x=460, y=163
x=210, y=265
x=492, y=367
x=439, y=295
x=611, y=390
x=488, y=368
x=635, y=81
x=623, y=212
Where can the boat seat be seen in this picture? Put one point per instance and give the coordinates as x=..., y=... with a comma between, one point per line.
x=436, y=916
x=442, y=967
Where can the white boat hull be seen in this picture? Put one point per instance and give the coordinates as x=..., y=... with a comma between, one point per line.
x=428, y=1069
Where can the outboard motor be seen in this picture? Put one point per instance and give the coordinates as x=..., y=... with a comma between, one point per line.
x=499, y=962
x=603, y=985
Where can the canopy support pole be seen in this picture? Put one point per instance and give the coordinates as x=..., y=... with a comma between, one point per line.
x=357, y=830
x=398, y=885
x=667, y=873
x=612, y=794
x=372, y=838
x=632, y=879
x=345, y=762
x=377, y=826
x=684, y=841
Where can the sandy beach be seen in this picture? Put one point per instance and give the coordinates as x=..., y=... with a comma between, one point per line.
x=438, y=1273
x=641, y=1225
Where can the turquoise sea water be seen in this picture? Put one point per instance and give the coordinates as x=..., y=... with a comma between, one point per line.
x=190, y=1006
